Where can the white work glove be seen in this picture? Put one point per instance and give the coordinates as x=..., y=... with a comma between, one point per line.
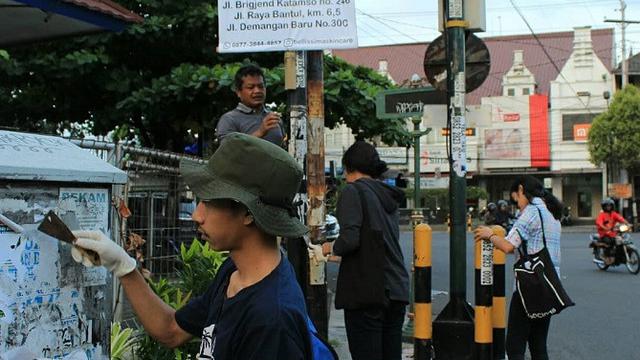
x=315, y=254
x=112, y=256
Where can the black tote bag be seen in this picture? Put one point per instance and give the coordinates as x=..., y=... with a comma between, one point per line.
x=537, y=282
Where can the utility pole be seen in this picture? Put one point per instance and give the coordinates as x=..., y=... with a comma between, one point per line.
x=623, y=176
x=295, y=63
x=623, y=27
x=453, y=330
x=317, y=295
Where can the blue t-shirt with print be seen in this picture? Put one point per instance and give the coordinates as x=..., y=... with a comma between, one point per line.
x=264, y=321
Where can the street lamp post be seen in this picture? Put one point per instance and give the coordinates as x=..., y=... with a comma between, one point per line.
x=416, y=216
x=416, y=134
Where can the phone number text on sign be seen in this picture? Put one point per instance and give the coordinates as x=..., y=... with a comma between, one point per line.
x=279, y=25
x=486, y=266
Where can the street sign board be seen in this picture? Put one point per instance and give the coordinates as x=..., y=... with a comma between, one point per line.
x=477, y=64
x=397, y=103
x=281, y=25
x=620, y=191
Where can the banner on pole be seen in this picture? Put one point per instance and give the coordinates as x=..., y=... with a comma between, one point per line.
x=281, y=25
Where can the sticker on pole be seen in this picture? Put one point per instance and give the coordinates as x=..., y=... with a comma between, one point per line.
x=459, y=145
x=280, y=25
x=455, y=9
x=486, y=266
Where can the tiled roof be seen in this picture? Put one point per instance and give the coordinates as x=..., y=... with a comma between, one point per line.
x=110, y=8
x=405, y=60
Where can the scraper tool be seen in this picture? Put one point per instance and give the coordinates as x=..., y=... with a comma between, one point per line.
x=53, y=226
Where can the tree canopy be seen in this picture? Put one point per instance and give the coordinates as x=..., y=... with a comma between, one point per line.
x=163, y=81
x=615, y=134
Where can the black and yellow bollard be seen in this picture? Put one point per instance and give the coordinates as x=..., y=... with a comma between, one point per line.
x=484, y=297
x=499, y=308
x=422, y=293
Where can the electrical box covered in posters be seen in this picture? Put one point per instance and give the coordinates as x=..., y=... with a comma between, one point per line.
x=50, y=306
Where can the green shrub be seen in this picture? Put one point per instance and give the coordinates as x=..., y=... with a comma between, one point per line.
x=121, y=341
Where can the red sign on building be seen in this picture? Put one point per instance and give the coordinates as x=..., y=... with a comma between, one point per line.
x=539, y=131
x=581, y=132
x=511, y=117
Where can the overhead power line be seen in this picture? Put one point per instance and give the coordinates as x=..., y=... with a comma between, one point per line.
x=546, y=53
x=623, y=26
x=526, y=7
x=390, y=27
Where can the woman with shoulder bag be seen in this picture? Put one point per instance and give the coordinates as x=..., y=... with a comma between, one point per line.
x=537, y=228
x=373, y=283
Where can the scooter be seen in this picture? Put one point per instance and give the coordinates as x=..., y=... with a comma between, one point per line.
x=621, y=252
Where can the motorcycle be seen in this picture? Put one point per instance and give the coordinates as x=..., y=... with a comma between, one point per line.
x=623, y=251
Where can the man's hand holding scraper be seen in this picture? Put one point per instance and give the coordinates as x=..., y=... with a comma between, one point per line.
x=112, y=256
x=91, y=248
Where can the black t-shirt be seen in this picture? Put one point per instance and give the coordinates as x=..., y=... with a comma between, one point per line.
x=264, y=321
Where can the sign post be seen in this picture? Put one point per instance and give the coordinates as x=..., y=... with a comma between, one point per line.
x=457, y=62
x=405, y=103
x=453, y=330
x=409, y=103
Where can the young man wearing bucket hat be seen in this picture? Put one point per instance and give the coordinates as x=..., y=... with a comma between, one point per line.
x=254, y=308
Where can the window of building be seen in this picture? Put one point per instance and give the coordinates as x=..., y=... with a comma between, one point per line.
x=511, y=92
x=525, y=91
x=569, y=120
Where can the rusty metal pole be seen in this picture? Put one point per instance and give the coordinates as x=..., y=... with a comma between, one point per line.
x=317, y=291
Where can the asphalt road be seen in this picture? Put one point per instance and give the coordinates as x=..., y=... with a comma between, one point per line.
x=604, y=324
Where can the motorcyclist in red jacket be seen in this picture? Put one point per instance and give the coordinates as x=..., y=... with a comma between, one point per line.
x=606, y=222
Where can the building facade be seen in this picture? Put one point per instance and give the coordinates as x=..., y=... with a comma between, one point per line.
x=531, y=116
x=577, y=97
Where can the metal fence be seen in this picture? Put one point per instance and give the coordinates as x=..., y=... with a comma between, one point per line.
x=159, y=202
x=160, y=205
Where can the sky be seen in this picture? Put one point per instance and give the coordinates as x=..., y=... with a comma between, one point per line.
x=382, y=22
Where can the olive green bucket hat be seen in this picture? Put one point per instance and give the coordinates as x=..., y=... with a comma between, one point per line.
x=258, y=174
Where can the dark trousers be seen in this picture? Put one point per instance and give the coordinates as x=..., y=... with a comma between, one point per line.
x=522, y=330
x=611, y=242
x=375, y=333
